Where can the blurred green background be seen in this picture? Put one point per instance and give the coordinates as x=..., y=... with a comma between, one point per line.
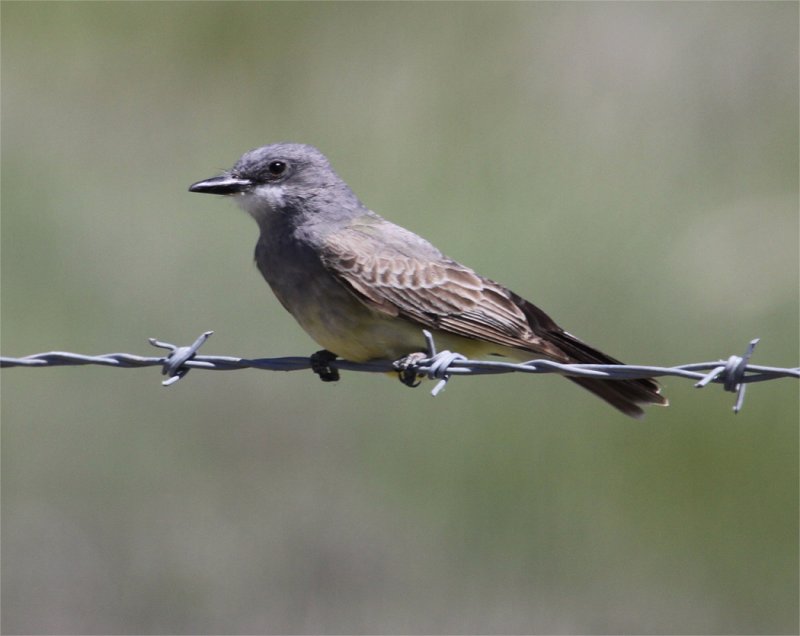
x=632, y=168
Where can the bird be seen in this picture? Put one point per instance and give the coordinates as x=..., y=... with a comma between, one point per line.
x=365, y=288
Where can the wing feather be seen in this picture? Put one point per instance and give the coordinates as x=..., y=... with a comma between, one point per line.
x=395, y=272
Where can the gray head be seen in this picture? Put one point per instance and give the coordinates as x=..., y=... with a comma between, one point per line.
x=280, y=178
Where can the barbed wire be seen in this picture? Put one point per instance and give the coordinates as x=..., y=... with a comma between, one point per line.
x=734, y=374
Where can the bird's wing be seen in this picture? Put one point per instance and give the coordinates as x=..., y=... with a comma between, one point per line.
x=395, y=272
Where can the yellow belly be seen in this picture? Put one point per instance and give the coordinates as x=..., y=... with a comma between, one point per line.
x=375, y=337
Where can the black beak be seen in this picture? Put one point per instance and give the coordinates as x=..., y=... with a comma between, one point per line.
x=223, y=184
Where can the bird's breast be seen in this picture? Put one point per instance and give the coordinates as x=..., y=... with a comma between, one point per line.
x=327, y=310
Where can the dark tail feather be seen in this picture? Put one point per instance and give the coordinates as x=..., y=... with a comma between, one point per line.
x=626, y=395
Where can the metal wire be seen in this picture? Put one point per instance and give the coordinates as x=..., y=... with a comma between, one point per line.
x=733, y=374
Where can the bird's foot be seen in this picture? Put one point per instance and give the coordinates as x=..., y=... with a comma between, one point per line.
x=405, y=369
x=321, y=365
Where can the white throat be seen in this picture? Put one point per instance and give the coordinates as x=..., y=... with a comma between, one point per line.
x=263, y=200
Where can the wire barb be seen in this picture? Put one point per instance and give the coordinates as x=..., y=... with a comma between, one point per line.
x=437, y=365
x=175, y=363
x=733, y=374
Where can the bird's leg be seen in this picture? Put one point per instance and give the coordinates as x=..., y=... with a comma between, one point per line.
x=321, y=365
x=405, y=369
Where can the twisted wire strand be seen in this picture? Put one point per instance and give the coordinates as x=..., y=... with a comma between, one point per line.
x=733, y=374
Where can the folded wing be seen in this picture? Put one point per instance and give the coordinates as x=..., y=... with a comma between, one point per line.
x=395, y=272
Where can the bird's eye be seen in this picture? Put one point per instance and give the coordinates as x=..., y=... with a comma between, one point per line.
x=276, y=168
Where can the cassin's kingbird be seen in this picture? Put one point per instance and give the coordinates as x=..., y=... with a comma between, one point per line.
x=364, y=288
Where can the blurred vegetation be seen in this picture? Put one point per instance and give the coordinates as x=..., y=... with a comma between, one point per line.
x=630, y=167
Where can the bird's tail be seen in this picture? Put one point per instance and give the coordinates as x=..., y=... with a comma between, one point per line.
x=627, y=396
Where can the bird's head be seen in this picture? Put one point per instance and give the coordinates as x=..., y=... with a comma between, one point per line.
x=280, y=178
